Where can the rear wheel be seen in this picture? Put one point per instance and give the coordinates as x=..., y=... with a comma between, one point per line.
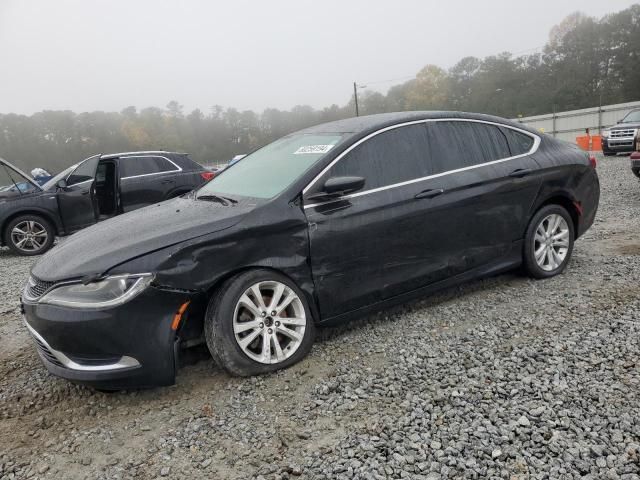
x=636, y=172
x=548, y=242
x=29, y=235
x=258, y=322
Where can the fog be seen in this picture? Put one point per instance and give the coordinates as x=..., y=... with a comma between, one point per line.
x=106, y=55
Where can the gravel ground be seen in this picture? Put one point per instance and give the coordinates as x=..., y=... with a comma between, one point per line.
x=505, y=378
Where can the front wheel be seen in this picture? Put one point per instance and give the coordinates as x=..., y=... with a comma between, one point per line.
x=258, y=322
x=29, y=235
x=548, y=242
x=636, y=172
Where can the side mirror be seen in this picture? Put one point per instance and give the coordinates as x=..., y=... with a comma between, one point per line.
x=62, y=184
x=336, y=187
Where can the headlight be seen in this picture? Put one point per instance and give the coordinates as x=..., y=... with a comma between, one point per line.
x=109, y=292
x=605, y=133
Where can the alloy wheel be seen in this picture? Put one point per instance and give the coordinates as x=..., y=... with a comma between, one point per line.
x=269, y=322
x=29, y=236
x=551, y=242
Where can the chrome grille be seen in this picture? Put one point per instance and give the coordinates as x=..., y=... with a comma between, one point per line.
x=622, y=133
x=36, y=287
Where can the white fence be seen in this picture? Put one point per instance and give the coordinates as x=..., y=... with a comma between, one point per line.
x=571, y=124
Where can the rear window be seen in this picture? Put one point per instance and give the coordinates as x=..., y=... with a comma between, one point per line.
x=459, y=144
x=519, y=143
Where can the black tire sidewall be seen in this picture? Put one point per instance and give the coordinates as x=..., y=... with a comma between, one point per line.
x=21, y=218
x=218, y=326
x=530, y=264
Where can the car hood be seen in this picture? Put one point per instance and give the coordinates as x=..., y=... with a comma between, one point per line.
x=100, y=247
x=625, y=126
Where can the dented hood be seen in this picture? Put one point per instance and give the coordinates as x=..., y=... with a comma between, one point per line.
x=98, y=248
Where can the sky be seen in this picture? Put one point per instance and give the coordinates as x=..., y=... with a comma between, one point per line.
x=86, y=55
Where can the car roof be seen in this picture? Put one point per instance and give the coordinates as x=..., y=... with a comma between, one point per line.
x=364, y=124
x=141, y=152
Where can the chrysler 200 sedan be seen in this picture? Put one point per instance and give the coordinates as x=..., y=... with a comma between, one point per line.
x=320, y=226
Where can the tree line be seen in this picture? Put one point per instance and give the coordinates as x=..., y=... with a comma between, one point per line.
x=585, y=61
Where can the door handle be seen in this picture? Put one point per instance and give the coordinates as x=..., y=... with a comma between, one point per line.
x=86, y=192
x=432, y=192
x=167, y=181
x=520, y=172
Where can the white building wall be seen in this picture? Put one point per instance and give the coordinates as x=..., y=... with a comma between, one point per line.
x=571, y=124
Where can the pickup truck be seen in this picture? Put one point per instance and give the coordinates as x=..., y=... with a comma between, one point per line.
x=621, y=137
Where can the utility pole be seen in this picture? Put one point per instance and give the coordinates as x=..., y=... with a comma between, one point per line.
x=355, y=96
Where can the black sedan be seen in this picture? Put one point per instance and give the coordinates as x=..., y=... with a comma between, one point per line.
x=318, y=227
x=95, y=189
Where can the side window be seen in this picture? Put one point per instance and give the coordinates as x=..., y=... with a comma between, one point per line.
x=101, y=173
x=86, y=171
x=519, y=143
x=460, y=144
x=390, y=157
x=138, y=165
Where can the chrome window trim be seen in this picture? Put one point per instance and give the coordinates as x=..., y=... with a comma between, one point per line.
x=178, y=169
x=534, y=148
x=123, y=362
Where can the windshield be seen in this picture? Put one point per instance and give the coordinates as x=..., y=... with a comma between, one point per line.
x=13, y=184
x=51, y=183
x=268, y=171
x=632, y=117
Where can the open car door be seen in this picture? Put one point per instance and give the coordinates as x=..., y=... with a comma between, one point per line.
x=76, y=196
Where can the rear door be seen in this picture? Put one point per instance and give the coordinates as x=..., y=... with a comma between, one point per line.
x=489, y=184
x=77, y=201
x=145, y=179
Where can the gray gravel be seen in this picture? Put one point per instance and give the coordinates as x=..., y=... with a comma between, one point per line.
x=505, y=378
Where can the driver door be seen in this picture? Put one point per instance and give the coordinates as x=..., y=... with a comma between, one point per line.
x=77, y=200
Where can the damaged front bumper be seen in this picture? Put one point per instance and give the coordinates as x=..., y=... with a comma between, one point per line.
x=133, y=345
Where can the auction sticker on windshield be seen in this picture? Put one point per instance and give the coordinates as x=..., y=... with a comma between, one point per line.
x=313, y=149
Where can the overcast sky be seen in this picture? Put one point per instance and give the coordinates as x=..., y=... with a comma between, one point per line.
x=107, y=54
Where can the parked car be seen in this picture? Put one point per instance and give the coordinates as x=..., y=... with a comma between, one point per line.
x=621, y=137
x=318, y=227
x=95, y=189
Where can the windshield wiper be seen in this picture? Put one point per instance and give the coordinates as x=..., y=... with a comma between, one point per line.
x=217, y=198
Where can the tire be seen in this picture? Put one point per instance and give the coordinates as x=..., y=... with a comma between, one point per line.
x=636, y=172
x=39, y=231
x=233, y=307
x=539, y=227
x=608, y=154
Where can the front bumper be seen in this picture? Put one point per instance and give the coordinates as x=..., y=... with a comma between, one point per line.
x=618, y=144
x=128, y=346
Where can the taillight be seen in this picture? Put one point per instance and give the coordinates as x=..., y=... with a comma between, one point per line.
x=207, y=175
x=592, y=161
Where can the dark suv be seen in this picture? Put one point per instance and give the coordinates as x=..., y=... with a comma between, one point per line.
x=621, y=137
x=95, y=189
